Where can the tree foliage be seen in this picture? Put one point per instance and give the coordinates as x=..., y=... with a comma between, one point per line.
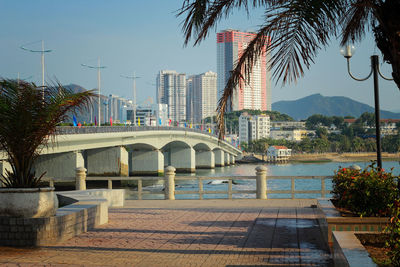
x=29, y=116
x=294, y=31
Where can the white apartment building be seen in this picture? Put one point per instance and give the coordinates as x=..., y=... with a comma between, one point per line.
x=201, y=96
x=253, y=127
x=289, y=135
x=288, y=125
x=171, y=90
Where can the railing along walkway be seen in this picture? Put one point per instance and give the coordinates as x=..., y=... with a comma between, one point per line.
x=169, y=190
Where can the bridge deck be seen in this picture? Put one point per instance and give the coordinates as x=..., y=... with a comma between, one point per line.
x=192, y=233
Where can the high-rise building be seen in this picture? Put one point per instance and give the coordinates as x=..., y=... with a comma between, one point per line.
x=202, y=96
x=253, y=127
x=171, y=90
x=253, y=95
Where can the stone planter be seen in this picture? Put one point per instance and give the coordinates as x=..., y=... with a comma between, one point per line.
x=348, y=251
x=28, y=202
x=330, y=219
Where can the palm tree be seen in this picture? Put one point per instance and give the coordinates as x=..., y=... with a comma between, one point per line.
x=294, y=31
x=29, y=116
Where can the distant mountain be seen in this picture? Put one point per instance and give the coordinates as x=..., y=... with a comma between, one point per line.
x=327, y=105
x=75, y=88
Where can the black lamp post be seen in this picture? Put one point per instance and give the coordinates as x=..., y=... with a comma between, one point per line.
x=348, y=52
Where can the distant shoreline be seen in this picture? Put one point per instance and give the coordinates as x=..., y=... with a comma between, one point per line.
x=328, y=157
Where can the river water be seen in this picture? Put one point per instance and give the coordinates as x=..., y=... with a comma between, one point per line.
x=289, y=169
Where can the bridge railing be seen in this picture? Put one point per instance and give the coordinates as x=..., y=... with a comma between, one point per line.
x=199, y=185
x=115, y=129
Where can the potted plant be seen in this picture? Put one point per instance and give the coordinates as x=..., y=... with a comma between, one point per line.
x=361, y=201
x=29, y=116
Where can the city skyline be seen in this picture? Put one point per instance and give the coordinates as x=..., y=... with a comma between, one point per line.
x=126, y=40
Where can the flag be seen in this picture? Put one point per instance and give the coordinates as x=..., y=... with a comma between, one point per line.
x=170, y=122
x=185, y=124
x=110, y=121
x=138, y=121
x=159, y=121
x=209, y=130
x=75, y=123
x=95, y=121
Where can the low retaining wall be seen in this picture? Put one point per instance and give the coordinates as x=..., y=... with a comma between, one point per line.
x=348, y=251
x=84, y=210
x=330, y=220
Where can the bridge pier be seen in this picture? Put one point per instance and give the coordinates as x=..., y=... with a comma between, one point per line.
x=183, y=159
x=147, y=162
x=219, y=158
x=227, y=158
x=232, y=159
x=59, y=165
x=111, y=161
x=205, y=160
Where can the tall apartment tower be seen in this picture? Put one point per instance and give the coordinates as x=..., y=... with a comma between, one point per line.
x=202, y=96
x=256, y=94
x=171, y=90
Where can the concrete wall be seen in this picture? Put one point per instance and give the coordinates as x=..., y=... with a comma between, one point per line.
x=109, y=161
x=205, y=160
x=183, y=159
x=146, y=163
x=219, y=158
x=60, y=165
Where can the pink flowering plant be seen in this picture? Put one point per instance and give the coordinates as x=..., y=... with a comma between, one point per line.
x=367, y=192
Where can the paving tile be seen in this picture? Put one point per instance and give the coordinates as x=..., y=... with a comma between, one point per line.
x=190, y=233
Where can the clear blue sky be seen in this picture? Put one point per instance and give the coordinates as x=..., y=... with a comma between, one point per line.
x=145, y=36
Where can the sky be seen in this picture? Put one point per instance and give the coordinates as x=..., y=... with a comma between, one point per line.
x=144, y=37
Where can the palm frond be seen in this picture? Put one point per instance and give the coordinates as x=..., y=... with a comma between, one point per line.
x=29, y=117
x=202, y=15
x=294, y=32
x=356, y=20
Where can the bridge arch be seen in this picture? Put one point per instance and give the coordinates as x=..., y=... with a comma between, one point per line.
x=145, y=159
x=180, y=155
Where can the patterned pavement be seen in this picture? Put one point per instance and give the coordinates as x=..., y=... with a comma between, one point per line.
x=191, y=233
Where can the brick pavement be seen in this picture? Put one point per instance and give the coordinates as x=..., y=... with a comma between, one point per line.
x=191, y=233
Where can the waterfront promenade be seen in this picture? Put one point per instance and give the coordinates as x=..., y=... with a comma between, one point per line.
x=191, y=233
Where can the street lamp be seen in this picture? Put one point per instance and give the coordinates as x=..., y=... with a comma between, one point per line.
x=134, y=77
x=348, y=52
x=42, y=52
x=98, y=68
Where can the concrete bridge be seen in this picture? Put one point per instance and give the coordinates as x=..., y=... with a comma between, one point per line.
x=120, y=151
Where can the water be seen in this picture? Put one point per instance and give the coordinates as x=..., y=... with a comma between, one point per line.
x=290, y=169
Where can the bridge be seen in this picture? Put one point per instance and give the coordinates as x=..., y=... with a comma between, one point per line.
x=124, y=151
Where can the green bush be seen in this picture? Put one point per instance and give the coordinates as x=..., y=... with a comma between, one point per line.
x=393, y=229
x=367, y=192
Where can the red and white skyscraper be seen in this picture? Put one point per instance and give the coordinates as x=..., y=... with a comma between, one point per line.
x=257, y=94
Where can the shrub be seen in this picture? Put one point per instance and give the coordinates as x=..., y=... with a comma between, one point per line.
x=393, y=229
x=367, y=192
